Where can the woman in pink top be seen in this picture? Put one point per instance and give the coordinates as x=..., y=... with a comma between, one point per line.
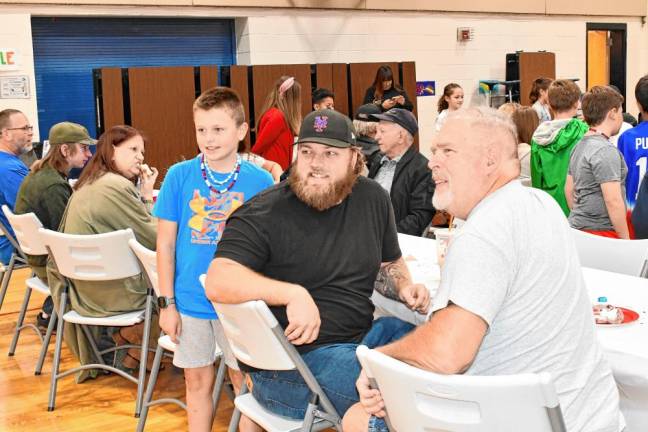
x=279, y=122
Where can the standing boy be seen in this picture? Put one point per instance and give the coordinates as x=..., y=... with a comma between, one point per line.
x=195, y=201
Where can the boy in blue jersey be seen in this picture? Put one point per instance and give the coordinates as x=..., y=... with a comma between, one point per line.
x=633, y=144
x=196, y=199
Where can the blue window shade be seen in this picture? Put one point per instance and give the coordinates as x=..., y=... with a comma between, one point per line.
x=66, y=50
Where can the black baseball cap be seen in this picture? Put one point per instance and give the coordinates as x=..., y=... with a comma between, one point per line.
x=365, y=111
x=401, y=117
x=327, y=127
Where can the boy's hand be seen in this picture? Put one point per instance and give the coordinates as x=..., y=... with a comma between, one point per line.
x=170, y=322
x=303, y=318
x=370, y=399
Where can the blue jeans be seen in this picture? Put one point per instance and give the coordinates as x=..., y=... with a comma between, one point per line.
x=377, y=425
x=335, y=367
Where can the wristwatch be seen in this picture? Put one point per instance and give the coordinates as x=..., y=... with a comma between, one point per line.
x=164, y=302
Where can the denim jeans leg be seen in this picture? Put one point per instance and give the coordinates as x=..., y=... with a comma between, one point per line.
x=386, y=330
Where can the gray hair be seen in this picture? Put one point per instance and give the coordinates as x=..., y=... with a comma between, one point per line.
x=364, y=128
x=488, y=118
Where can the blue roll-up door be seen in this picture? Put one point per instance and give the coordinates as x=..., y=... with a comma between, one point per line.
x=66, y=50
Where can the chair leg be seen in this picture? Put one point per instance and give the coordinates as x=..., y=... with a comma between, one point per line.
x=57, y=352
x=218, y=385
x=46, y=341
x=236, y=414
x=92, y=342
x=6, y=275
x=141, y=379
x=149, y=389
x=309, y=418
x=19, y=323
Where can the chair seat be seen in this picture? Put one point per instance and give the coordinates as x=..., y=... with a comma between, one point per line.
x=38, y=285
x=267, y=420
x=121, y=320
x=166, y=343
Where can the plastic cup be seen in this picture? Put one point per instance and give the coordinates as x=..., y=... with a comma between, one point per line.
x=443, y=238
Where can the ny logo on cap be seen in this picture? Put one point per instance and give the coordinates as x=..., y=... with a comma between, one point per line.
x=321, y=123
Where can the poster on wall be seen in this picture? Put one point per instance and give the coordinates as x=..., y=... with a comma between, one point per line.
x=14, y=87
x=8, y=59
x=425, y=88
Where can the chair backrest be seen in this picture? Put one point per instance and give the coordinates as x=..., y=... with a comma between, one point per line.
x=253, y=334
x=25, y=227
x=417, y=400
x=615, y=255
x=93, y=257
x=148, y=260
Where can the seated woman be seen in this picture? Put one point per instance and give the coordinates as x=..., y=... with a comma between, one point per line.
x=107, y=198
x=45, y=191
x=385, y=93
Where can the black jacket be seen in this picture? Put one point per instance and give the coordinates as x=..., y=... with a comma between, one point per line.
x=640, y=212
x=411, y=191
x=369, y=98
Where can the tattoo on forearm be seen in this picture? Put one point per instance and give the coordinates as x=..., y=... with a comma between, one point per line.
x=389, y=280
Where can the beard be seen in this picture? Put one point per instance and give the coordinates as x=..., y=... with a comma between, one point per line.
x=442, y=201
x=326, y=196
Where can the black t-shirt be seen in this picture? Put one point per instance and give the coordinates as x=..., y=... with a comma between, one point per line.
x=334, y=254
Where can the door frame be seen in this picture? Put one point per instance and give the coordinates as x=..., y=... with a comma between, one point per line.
x=622, y=27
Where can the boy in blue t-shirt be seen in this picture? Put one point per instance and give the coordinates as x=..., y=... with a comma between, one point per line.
x=196, y=199
x=633, y=145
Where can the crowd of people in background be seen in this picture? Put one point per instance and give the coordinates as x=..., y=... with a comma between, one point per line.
x=350, y=185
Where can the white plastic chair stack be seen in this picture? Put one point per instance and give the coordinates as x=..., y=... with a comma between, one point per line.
x=98, y=257
x=16, y=261
x=148, y=261
x=25, y=227
x=257, y=339
x=417, y=400
x=615, y=255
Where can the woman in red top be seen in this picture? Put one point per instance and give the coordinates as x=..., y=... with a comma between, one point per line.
x=279, y=122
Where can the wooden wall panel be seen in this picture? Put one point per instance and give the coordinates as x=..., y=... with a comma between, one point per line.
x=208, y=77
x=161, y=100
x=534, y=65
x=239, y=82
x=324, y=73
x=264, y=77
x=362, y=76
x=341, y=88
x=409, y=85
x=112, y=97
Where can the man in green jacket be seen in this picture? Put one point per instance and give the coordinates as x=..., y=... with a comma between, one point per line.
x=553, y=141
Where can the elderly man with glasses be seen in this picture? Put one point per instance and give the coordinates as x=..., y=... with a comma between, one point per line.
x=15, y=139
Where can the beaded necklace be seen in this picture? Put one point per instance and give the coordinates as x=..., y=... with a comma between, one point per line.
x=211, y=181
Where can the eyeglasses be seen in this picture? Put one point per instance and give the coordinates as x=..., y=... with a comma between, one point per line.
x=27, y=128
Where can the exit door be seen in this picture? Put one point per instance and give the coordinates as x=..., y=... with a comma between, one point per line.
x=606, y=55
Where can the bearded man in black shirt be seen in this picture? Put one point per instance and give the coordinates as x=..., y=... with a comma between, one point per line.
x=311, y=248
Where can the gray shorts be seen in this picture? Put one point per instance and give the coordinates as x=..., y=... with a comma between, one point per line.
x=198, y=342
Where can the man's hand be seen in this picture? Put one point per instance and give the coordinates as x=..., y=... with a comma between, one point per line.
x=416, y=297
x=170, y=322
x=370, y=399
x=303, y=318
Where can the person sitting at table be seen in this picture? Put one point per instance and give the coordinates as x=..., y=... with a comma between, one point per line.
x=46, y=191
x=512, y=297
x=595, y=186
x=107, y=199
x=319, y=289
x=402, y=171
x=385, y=93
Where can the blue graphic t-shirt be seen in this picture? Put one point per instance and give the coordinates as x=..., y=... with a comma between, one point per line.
x=12, y=172
x=201, y=216
x=633, y=145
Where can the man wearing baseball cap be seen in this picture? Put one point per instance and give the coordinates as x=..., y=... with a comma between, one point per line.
x=366, y=128
x=46, y=191
x=311, y=248
x=402, y=171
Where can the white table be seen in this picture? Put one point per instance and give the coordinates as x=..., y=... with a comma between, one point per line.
x=625, y=346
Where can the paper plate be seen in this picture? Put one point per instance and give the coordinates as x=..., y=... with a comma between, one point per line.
x=628, y=316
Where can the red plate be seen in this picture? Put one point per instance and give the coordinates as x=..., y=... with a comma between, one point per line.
x=628, y=316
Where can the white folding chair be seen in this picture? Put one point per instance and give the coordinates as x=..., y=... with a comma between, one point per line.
x=257, y=339
x=616, y=255
x=418, y=400
x=16, y=261
x=98, y=257
x=148, y=261
x=25, y=227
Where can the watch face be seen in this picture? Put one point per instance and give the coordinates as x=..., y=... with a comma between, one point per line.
x=163, y=302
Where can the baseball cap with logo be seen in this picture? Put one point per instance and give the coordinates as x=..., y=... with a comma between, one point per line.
x=401, y=117
x=70, y=133
x=327, y=127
